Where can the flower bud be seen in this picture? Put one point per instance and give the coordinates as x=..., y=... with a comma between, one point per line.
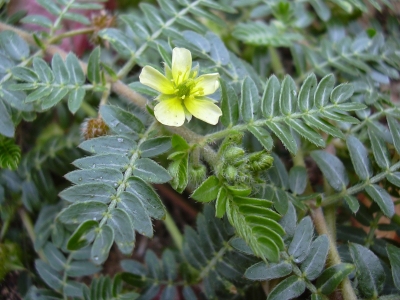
x=197, y=174
x=233, y=153
x=260, y=161
x=230, y=173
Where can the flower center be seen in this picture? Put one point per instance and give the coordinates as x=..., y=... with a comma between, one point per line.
x=184, y=89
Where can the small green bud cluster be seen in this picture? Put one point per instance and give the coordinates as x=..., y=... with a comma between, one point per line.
x=238, y=167
x=197, y=174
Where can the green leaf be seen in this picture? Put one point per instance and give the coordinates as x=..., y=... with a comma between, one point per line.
x=81, y=236
x=40, y=93
x=179, y=143
x=323, y=13
x=76, y=75
x=93, y=69
x=60, y=71
x=298, y=179
x=370, y=273
x=24, y=74
x=379, y=149
x=108, y=144
x=98, y=192
x=229, y=105
x=37, y=20
x=341, y=93
x=315, y=261
x=382, y=198
x=136, y=210
x=208, y=190
x=119, y=40
x=143, y=89
x=75, y=99
x=270, y=98
x=300, y=245
x=332, y=168
x=6, y=123
x=150, y=171
x=54, y=257
x=306, y=94
x=263, y=271
x=335, y=116
x=123, y=230
x=80, y=212
x=288, y=221
x=359, y=157
x=394, y=257
x=149, y=198
x=54, y=97
x=324, y=126
x=262, y=136
x=152, y=15
x=50, y=276
x=105, y=175
x=220, y=204
x=283, y=133
x=155, y=147
x=306, y=132
x=10, y=154
x=352, y=202
x=81, y=268
x=102, y=244
x=395, y=131
x=240, y=245
x=218, y=51
x=51, y=7
x=323, y=91
x=394, y=178
x=16, y=99
x=179, y=171
x=43, y=70
x=287, y=98
x=14, y=45
x=332, y=277
x=199, y=41
x=249, y=100
x=289, y=288
x=120, y=121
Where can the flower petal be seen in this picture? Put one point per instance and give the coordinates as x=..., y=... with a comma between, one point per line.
x=170, y=112
x=207, y=84
x=181, y=64
x=203, y=109
x=154, y=79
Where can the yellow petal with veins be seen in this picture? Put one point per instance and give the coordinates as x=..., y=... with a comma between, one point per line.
x=170, y=112
x=154, y=79
x=207, y=84
x=204, y=110
x=181, y=64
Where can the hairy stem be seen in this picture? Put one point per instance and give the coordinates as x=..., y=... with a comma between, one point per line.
x=27, y=222
x=276, y=63
x=333, y=255
x=173, y=231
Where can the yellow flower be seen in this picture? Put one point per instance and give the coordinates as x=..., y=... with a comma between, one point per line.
x=182, y=92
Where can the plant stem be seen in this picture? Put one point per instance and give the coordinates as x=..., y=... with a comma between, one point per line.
x=71, y=33
x=333, y=255
x=276, y=63
x=173, y=231
x=26, y=221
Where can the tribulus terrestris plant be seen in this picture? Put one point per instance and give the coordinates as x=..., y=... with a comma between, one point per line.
x=199, y=149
